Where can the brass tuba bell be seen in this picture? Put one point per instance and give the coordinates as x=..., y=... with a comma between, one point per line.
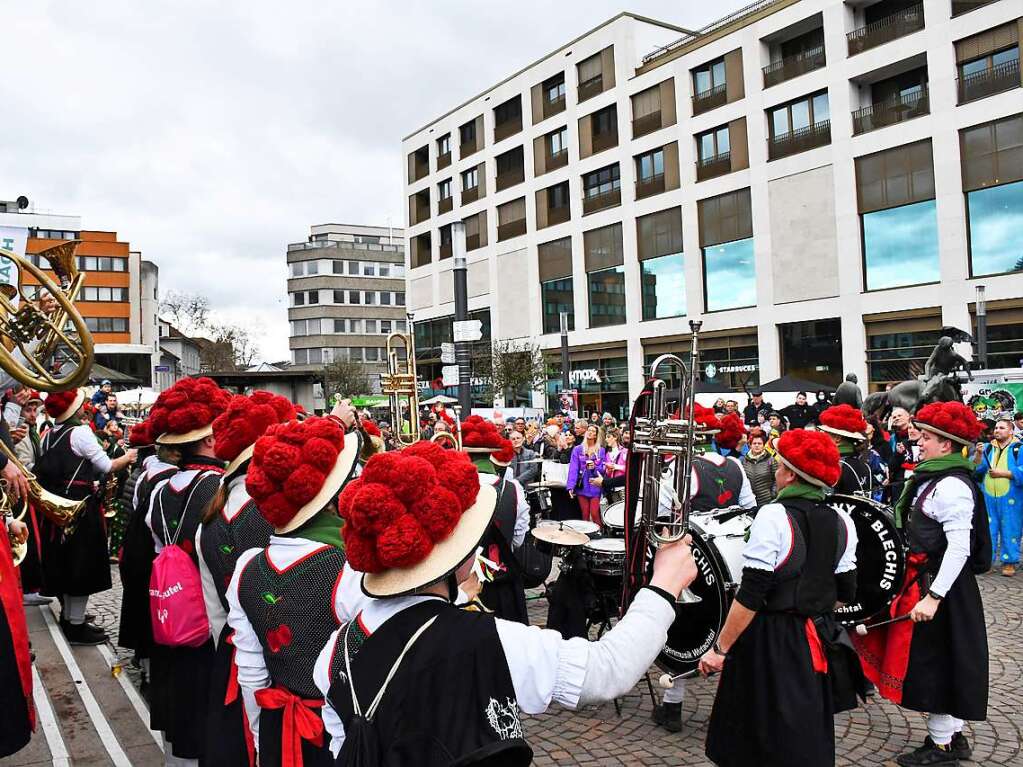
x=62, y=512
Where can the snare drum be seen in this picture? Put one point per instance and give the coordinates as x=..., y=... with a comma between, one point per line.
x=614, y=520
x=583, y=526
x=605, y=560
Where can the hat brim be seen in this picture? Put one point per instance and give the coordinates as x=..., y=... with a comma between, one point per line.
x=842, y=433
x=238, y=460
x=947, y=435
x=339, y=475
x=168, y=438
x=75, y=407
x=445, y=557
x=799, y=472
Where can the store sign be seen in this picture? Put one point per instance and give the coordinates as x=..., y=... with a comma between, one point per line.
x=585, y=375
x=14, y=239
x=738, y=368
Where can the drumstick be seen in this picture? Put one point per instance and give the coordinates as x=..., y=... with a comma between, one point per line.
x=667, y=681
x=863, y=628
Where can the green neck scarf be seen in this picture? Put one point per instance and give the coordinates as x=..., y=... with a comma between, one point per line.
x=483, y=464
x=928, y=470
x=801, y=490
x=845, y=448
x=323, y=527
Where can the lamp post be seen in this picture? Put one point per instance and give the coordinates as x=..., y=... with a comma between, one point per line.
x=462, y=348
x=565, y=378
x=981, y=327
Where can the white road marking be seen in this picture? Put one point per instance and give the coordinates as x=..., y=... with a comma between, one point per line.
x=133, y=695
x=48, y=721
x=103, y=729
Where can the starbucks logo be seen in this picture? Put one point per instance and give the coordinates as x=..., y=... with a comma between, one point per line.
x=711, y=370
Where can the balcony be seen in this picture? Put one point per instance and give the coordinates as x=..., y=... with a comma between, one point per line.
x=801, y=140
x=557, y=160
x=710, y=99
x=793, y=66
x=592, y=87
x=467, y=148
x=552, y=107
x=422, y=208
x=444, y=205
x=511, y=229
x=646, y=124
x=645, y=187
x=470, y=195
x=882, y=31
x=318, y=244
x=508, y=128
x=959, y=7
x=602, y=141
x=510, y=178
x=891, y=112
x=420, y=166
x=980, y=85
x=443, y=160
x=593, y=203
x=558, y=215
x=709, y=167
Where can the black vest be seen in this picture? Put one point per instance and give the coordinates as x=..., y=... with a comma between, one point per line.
x=452, y=699
x=59, y=470
x=857, y=476
x=499, y=534
x=224, y=541
x=292, y=613
x=717, y=486
x=805, y=582
x=927, y=536
x=184, y=507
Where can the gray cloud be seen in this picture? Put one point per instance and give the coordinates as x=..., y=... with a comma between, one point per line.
x=210, y=135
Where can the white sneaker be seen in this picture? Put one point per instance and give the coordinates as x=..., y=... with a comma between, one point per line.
x=31, y=600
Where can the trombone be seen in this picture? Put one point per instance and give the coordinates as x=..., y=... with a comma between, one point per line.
x=400, y=384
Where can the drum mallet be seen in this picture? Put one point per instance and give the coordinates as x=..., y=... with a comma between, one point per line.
x=863, y=628
x=667, y=681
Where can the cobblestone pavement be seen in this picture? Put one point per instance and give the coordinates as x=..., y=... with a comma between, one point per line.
x=872, y=735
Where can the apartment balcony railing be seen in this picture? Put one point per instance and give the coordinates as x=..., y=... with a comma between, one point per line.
x=507, y=128
x=510, y=178
x=710, y=99
x=592, y=87
x=980, y=85
x=552, y=107
x=709, y=167
x=602, y=141
x=882, y=31
x=890, y=112
x=800, y=140
x=318, y=244
x=793, y=66
x=558, y=215
x=511, y=229
x=420, y=169
x=960, y=7
x=467, y=148
x=557, y=160
x=609, y=199
x=470, y=195
x=645, y=187
x=443, y=160
x=646, y=124
x=445, y=204
x=445, y=251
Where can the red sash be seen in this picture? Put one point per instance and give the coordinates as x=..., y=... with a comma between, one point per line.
x=11, y=602
x=232, y=694
x=300, y=722
x=817, y=654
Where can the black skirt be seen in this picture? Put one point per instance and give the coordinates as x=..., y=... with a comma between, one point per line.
x=136, y=565
x=948, y=656
x=15, y=722
x=772, y=709
x=78, y=564
x=179, y=693
x=271, y=723
x=227, y=726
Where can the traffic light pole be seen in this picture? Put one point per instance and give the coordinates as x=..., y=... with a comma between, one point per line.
x=463, y=350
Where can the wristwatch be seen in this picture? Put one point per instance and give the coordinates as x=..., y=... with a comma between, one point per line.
x=717, y=648
x=932, y=595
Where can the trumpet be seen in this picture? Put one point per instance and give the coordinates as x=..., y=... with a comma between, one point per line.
x=62, y=512
x=453, y=438
x=400, y=384
x=37, y=349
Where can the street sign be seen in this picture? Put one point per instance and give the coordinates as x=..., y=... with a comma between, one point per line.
x=468, y=330
x=447, y=353
x=162, y=368
x=449, y=375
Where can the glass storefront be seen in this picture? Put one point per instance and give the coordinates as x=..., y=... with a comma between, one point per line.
x=900, y=246
x=556, y=297
x=732, y=362
x=812, y=350
x=663, y=287
x=603, y=386
x=729, y=275
x=995, y=218
x=899, y=356
x=429, y=335
x=607, y=297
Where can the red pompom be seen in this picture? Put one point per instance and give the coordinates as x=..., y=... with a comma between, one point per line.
x=320, y=453
x=952, y=418
x=428, y=451
x=302, y=485
x=246, y=419
x=361, y=551
x=371, y=428
x=189, y=404
x=731, y=432
x=404, y=543
x=58, y=402
x=438, y=513
x=460, y=476
x=139, y=436
x=706, y=418
x=280, y=460
x=506, y=453
x=844, y=418
x=372, y=508
x=479, y=432
x=812, y=452
x=276, y=509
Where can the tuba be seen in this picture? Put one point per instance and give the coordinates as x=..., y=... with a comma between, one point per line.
x=18, y=550
x=49, y=352
x=400, y=384
x=61, y=511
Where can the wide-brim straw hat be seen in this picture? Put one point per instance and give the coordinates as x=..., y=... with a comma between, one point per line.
x=76, y=405
x=344, y=466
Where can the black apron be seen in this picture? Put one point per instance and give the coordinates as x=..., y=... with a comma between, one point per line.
x=505, y=595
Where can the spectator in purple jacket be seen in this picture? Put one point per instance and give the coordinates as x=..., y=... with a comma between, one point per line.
x=587, y=463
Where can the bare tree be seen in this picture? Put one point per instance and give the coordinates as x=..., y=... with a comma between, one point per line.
x=518, y=368
x=345, y=378
x=223, y=346
x=188, y=312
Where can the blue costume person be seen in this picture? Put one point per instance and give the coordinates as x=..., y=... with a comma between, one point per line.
x=1004, y=498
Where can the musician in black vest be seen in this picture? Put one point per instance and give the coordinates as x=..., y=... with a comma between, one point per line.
x=413, y=680
x=937, y=662
x=75, y=564
x=282, y=597
x=774, y=701
x=22, y=411
x=847, y=428
x=180, y=675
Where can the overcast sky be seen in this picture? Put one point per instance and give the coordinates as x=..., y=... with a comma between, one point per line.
x=211, y=134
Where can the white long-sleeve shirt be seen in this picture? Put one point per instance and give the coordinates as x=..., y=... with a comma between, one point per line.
x=544, y=667
x=521, y=506
x=83, y=444
x=770, y=540
x=950, y=505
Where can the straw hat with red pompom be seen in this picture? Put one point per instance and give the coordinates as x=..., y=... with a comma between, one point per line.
x=62, y=405
x=950, y=420
x=186, y=411
x=731, y=433
x=707, y=421
x=244, y=421
x=413, y=517
x=813, y=456
x=140, y=436
x=844, y=421
x=298, y=467
x=480, y=436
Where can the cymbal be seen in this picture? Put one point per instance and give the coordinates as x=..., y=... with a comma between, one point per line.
x=559, y=537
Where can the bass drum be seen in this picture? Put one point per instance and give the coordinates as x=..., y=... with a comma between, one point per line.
x=880, y=558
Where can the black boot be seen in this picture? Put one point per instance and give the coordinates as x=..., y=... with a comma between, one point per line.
x=83, y=633
x=928, y=755
x=961, y=747
x=669, y=716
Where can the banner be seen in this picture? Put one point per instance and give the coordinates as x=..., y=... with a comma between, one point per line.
x=991, y=401
x=13, y=238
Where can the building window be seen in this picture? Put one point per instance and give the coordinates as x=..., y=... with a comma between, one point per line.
x=726, y=236
x=900, y=356
x=604, y=127
x=663, y=287
x=709, y=77
x=385, y=327
x=650, y=165
x=607, y=296
x=799, y=125
x=337, y=267
x=371, y=327
x=557, y=142
x=900, y=246
x=370, y=298
x=444, y=189
x=713, y=144
x=508, y=111
x=467, y=133
x=556, y=297
x=298, y=299
x=399, y=299
x=354, y=297
x=106, y=324
x=470, y=179
x=102, y=264
x=90, y=293
x=340, y=326
x=602, y=182
x=993, y=214
x=812, y=350
x=991, y=73
x=300, y=356
x=557, y=196
x=554, y=88
x=444, y=144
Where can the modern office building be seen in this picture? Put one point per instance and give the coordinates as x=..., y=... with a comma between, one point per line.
x=824, y=184
x=346, y=294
